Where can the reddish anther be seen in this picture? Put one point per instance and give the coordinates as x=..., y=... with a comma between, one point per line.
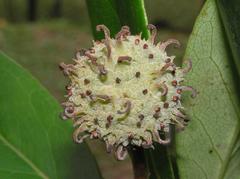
x=162, y=126
x=118, y=80
x=175, y=98
x=94, y=134
x=157, y=109
x=141, y=117
x=69, y=93
x=137, y=74
x=109, y=118
x=137, y=41
x=150, y=56
x=88, y=92
x=174, y=82
x=165, y=105
x=156, y=115
x=145, y=91
x=70, y=109
x=179, y=91
x=86, y=81
x=145, y=46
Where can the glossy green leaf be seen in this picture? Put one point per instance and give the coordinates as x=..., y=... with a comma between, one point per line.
x=132, y=13
x=34, y=141
x=230, y=13
x=103, y=12
x=208, y=146
x=117, y=13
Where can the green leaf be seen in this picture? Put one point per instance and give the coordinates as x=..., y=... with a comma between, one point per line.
x=34, y=142
x=233, y=171
x=206, y=148
x=132, y=13
x=230, y=13
x=103, y=12
x=117, y=13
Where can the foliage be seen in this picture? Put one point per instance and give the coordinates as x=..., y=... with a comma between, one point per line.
x=208, y=146
x=230, y=13
x=34, y=142
x=116, y=13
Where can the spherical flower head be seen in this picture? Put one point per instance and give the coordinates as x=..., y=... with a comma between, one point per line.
x=125, y=91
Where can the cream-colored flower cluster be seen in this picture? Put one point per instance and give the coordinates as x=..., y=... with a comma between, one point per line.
x=124, y=91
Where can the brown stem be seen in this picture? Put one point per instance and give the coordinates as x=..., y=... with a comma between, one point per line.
x=138, y=163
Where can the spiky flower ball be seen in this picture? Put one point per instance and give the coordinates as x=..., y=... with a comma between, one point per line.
x=124, y=91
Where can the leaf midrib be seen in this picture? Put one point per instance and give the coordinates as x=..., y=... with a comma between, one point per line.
x=23, y=157
x=236, y=110
x=35, y=112
x=236, y=132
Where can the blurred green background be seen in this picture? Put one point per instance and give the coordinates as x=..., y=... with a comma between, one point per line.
x=39, y=34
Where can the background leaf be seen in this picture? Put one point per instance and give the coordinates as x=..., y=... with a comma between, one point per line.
x=164, y=13
x=132, y=13
x=208, y=146
x=103, y=12
x=230, y=13
x=34, y=142
x=117, y=13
